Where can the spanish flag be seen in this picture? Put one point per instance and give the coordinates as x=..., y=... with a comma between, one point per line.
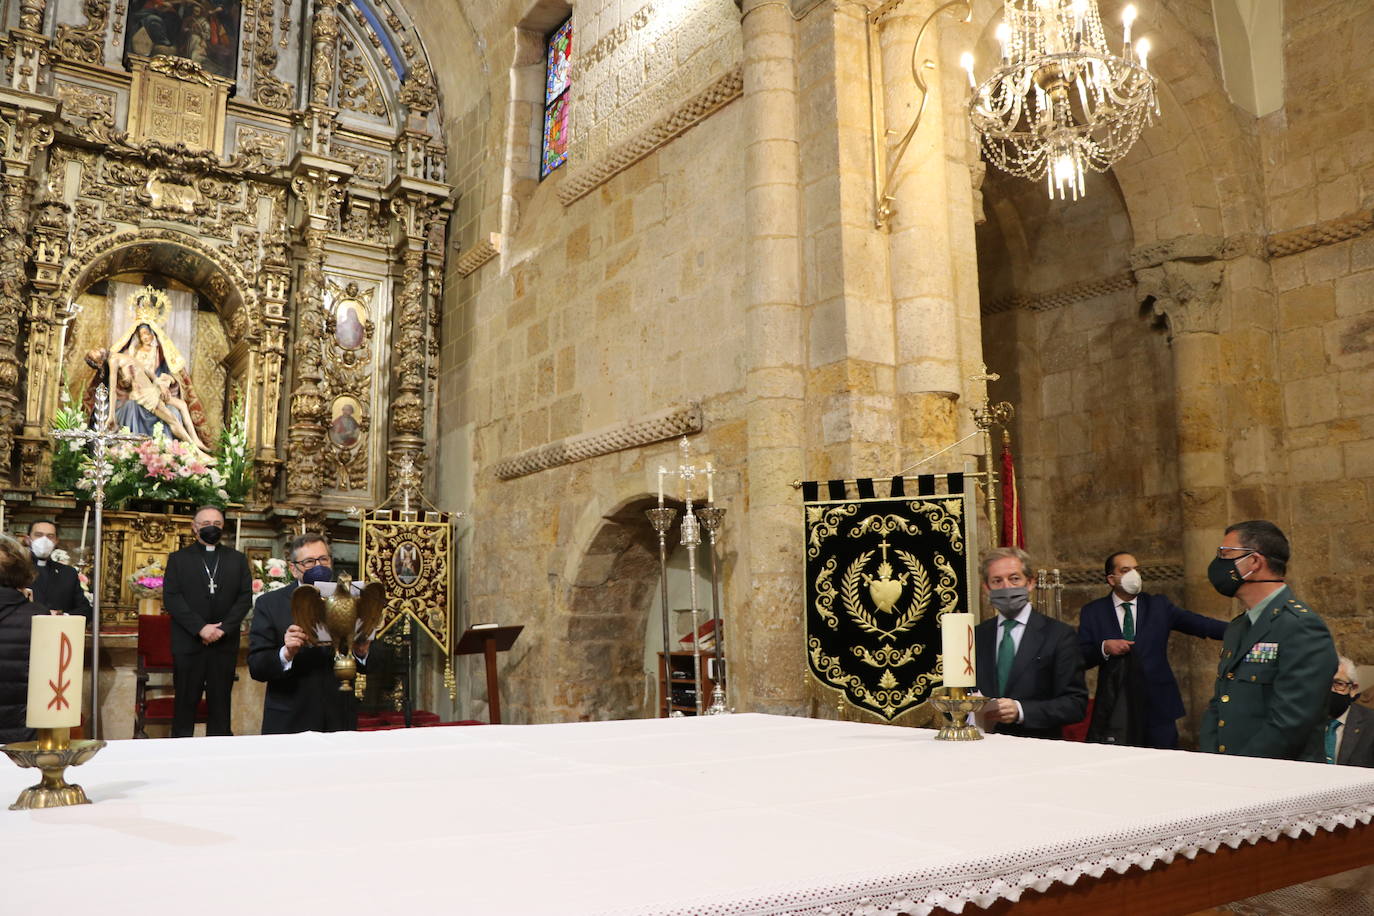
x=1013, y=533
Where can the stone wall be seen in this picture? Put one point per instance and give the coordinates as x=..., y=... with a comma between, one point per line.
x=1186, y=347
x=1319, y=167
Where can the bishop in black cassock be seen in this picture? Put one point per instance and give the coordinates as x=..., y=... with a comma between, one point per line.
x=208, y=590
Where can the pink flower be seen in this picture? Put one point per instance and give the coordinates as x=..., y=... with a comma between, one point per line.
x=257, y=586
x=276, y=572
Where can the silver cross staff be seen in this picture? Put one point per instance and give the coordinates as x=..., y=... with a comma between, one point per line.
x=100, y=436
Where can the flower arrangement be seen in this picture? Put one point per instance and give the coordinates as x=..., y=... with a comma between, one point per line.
x=61, y=556
x=147, y=580
x=268, y=576
x=159, y=467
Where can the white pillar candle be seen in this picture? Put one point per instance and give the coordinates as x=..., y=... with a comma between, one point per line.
x=956, y=642
x=238, y=534
x=710, y=484
x=56, y=649
x=661, y=471
x=85, y=520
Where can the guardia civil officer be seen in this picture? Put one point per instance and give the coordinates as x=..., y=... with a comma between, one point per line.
x=1277, y=658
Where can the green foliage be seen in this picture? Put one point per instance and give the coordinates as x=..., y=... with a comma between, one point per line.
x=232, y=455
x=158, y=468
x=67, y=456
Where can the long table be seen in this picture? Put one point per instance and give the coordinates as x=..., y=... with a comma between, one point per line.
x=742, y=814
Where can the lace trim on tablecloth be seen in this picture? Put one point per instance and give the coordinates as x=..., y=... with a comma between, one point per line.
x=1008, y=877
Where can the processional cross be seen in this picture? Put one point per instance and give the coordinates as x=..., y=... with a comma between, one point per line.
x=100, y=470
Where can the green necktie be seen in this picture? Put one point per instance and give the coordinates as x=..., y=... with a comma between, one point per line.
x=1331, y=728
x=1006, y=654
x=1128, y=621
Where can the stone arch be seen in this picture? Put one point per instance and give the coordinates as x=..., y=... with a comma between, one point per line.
x=616, y=574
x=175, y=254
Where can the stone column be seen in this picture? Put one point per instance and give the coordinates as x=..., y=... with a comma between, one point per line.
x=765, y=636
x=1183, y=279
x=921, y=237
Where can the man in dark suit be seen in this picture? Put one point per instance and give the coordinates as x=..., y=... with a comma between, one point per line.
x=56, y=586
x=1127, y=633
x=1350, y=727
x=303, y=694
x=207, y=590
x=1276, y=657
x=1029, y=663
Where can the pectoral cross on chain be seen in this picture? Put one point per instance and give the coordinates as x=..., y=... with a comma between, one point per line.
x=212, y=585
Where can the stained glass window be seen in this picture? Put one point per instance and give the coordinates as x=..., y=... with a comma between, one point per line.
x=557, y=86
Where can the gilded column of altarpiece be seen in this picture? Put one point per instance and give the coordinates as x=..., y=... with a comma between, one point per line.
x=305, y=222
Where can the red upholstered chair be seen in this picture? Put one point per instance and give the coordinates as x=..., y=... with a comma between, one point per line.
x=153, y=702
x=1078, y=731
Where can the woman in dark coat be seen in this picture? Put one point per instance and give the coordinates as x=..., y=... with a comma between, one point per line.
x=17, y=611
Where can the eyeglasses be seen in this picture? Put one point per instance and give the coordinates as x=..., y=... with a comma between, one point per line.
x=1339, y=684
x=1221, y=552
x=312, y=562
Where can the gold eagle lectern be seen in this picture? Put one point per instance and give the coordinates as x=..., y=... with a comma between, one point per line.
x=346, y=615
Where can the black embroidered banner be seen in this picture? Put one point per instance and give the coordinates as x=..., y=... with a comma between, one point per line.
x=879, y=574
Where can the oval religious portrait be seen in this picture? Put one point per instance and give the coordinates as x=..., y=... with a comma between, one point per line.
x=406, y=563
x=350, y=324
x=344, y=429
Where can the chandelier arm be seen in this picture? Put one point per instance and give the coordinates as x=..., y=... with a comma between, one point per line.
x=882, y=210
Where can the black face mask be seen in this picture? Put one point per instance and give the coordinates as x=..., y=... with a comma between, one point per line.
x=1338, y=703
x=1224, y=576
x=210, y=534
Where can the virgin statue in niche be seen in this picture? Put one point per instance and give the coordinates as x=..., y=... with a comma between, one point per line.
x=150, y=386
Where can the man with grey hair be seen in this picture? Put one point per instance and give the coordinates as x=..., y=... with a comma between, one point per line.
x=1350, y=728
x=1028, y=663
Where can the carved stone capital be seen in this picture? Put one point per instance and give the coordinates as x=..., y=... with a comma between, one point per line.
x=1186, y=293
x=1178, y=248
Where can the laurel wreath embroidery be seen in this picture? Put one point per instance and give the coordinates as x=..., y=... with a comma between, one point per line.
x=920, y=596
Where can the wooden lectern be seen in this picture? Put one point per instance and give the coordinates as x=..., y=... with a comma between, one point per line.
x=489, y=638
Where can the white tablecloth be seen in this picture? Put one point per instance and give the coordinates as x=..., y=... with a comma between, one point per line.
x=732, y=815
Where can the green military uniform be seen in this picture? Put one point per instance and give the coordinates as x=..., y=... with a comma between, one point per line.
x=1272, y=683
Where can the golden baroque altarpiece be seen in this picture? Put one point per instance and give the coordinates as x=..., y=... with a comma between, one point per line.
x=278, y=164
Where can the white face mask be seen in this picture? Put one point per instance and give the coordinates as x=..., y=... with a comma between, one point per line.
x=1130, y=582
x=42, y=547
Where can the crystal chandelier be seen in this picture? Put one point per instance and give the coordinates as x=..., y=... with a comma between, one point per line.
x=1060, y=101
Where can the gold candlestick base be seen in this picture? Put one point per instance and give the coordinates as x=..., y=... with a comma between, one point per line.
x=955, y=705
x=52, y=753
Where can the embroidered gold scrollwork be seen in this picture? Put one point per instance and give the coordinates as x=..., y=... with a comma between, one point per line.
x=943, y=515
x=825, y=594
x=890, y=702
x=887, y=656
x=884, y=524
x=824, y=522
x=946, y=584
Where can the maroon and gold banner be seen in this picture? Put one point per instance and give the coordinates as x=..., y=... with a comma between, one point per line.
x=1013, y=534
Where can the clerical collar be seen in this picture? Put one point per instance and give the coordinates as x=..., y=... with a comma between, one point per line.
x=209, y=548
x=41, y=562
